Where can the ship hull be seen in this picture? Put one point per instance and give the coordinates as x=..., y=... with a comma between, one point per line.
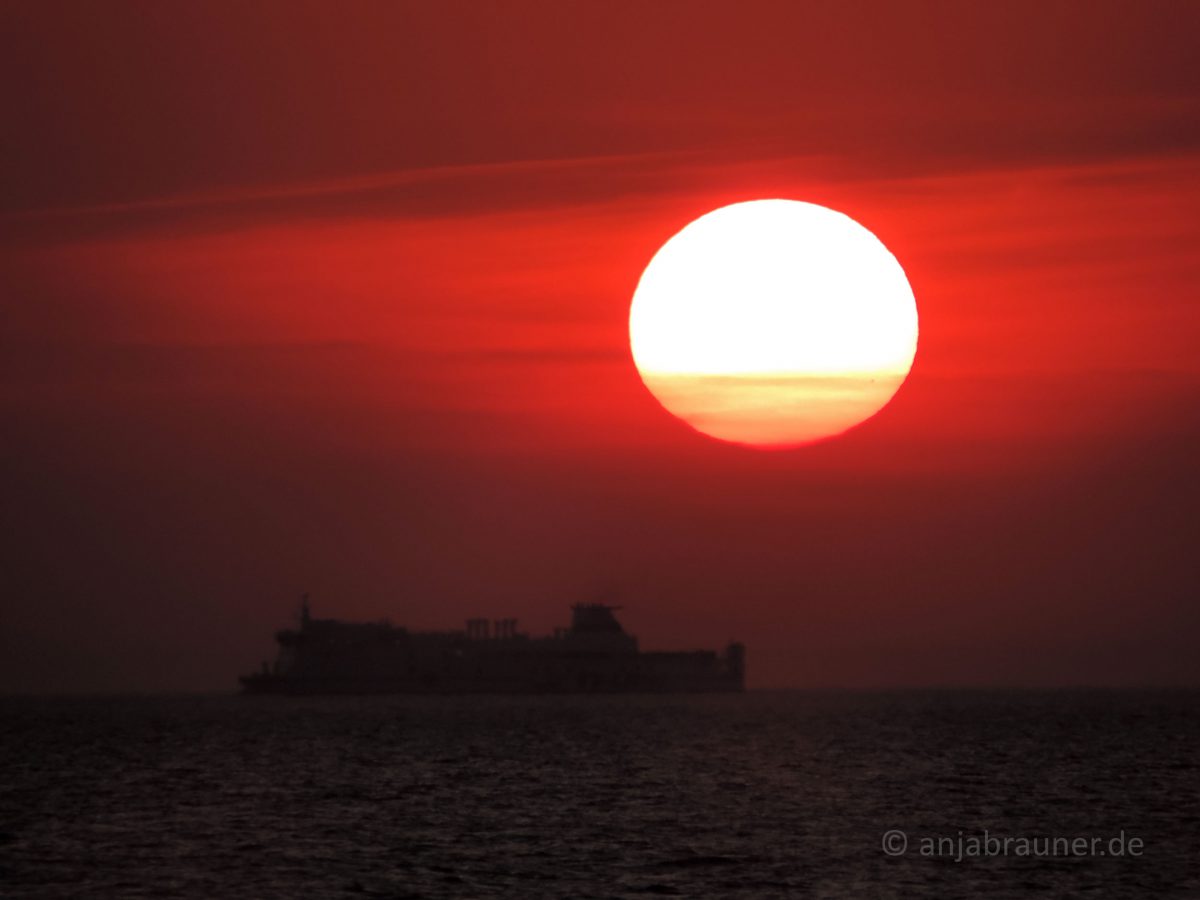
x=580, y=682
x=293, y=687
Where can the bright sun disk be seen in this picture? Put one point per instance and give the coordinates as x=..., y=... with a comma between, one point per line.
x=773, y=323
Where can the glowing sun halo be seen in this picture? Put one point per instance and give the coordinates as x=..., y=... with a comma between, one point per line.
x=773, y=323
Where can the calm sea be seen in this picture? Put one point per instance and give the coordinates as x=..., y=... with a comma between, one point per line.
x=762, y=795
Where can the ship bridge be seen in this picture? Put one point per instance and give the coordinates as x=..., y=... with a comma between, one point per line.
x=594, y=628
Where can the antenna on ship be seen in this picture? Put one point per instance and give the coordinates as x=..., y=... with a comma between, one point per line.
x=304, y=610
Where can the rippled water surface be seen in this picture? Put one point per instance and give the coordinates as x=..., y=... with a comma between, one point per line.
x=762, y=795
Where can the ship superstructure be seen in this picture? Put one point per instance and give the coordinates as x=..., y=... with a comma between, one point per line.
x=593, y=654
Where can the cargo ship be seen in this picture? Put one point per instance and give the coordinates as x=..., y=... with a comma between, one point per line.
x=593, y=655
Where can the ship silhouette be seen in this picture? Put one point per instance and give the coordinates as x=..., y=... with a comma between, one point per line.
x=593, y=655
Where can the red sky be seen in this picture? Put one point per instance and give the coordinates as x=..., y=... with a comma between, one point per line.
x=334, y=297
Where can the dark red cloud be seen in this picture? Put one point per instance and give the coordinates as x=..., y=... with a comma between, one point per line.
x=137, y=99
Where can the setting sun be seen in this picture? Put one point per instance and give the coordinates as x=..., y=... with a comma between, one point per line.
x=773, y=323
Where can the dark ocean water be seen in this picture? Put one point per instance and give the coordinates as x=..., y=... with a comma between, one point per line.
x=762, y=795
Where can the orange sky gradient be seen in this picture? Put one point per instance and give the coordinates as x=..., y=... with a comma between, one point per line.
x=312, y=297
